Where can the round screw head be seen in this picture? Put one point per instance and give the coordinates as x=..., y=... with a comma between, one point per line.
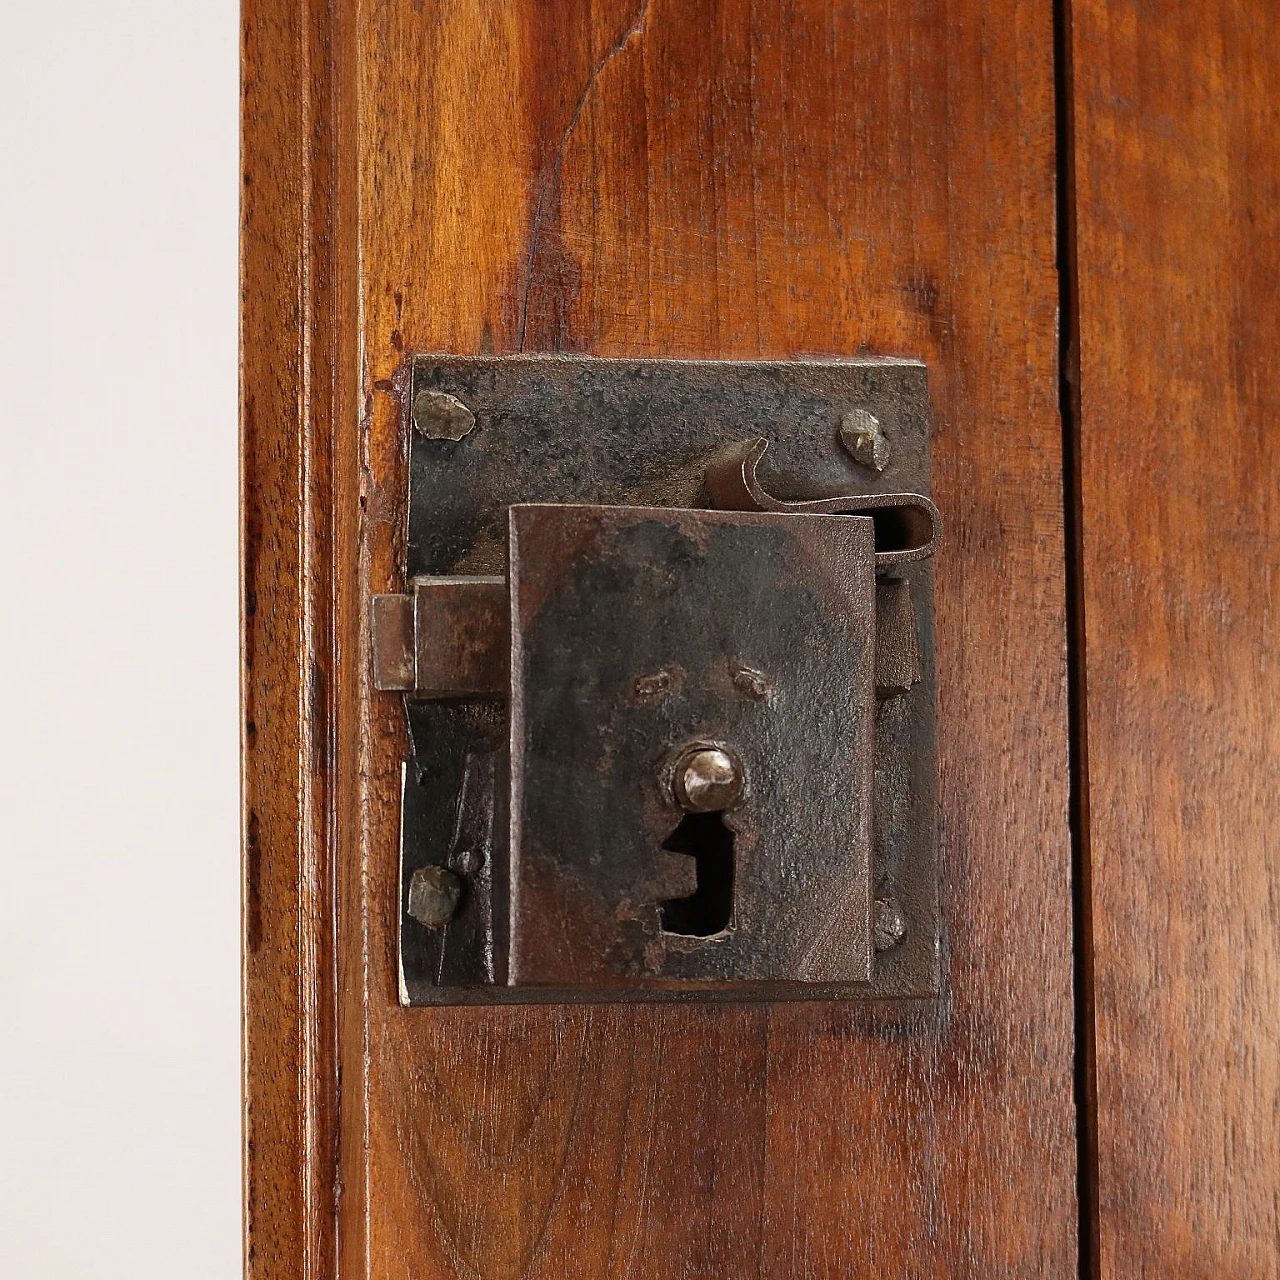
x=706, y=779
x=434, y=893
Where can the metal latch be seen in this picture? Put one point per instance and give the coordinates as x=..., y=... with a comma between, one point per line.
x=671, y=734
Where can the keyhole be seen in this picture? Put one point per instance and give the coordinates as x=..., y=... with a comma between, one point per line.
x=705, y=838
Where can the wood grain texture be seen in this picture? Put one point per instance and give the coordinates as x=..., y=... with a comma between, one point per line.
x=1177, y=125
x=769, y=178
x=300, y=511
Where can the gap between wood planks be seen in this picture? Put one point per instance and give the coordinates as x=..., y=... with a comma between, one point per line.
x=1077, y=675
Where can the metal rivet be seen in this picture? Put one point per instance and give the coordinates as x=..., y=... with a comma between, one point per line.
x=467, y=861
x=888, y=924
x=706, y=779
x=440, y=416
x=658, y=684
x=861, y=434
x=434, y=893
x=752, y=684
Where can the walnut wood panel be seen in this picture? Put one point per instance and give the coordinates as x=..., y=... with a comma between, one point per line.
x=666, y=178
x=1177, y=128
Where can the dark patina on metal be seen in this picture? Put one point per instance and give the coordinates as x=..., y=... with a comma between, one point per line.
x=604, y=595
x=787, y=654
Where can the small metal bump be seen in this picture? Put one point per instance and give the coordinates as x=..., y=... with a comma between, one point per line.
x=888, y=924
x=862, y=435
x=434, y=893
x=752, y=684
x=706, y=779
x=468, y=861
x=440, y=416
x=658, y=684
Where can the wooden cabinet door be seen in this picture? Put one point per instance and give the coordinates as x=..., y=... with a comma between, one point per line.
x=667, y=178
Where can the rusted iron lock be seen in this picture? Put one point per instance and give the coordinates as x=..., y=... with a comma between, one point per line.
x=651, y=753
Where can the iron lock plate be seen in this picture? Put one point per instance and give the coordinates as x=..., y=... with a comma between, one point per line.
x=578, y=617
x=633, y=642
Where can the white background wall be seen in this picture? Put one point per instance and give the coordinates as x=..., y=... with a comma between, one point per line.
x=119, y=902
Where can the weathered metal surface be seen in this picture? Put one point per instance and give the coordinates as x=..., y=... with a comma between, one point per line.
x=908, y=526
x=460, y=639
x=640, y=433
x=440, y=416
x=394, y=663
x=603, y=597
x=636, y=432
x=455, y=818
x=860, y=433
x=434, y=893
x=897, y=647
x=447, y=639
x=888, y=925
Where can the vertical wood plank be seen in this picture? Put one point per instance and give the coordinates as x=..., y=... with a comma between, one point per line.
x=299, y=505
x=1177, y=124
x=767, y=179
x=277, y=858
